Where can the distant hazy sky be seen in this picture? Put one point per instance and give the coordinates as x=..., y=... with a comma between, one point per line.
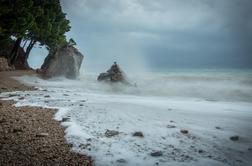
x=161, y=34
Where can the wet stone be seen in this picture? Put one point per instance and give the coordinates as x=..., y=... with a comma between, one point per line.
x=200, y=151
x=138, y=134
x=170, y=126
x=156, y=154
x=85, y=146
x=2, y=120
x=21, y=98
x=66, y=119
x=111, y=133
x=16, y=130
x=12, y=95
x=121, y=161
x=184, y=131
x=234, y=138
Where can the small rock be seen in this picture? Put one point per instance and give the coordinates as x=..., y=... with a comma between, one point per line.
x=171, y=121
x=12, y=95
x=16, y=130
x=111, y=133
x=2, y=120
x=47, y=96
x=70, y=145
x=156, y=154
x=81, y=105
x=121, y=161
x=170, y=126
x=42, y=135
x=21, y=98
x=218, y=127
x=249, y=149
x=84, y=146
x=200, y=151
x=66, y=119
x=240, y=161
x=184, y=131
x=138, y=134
x=65, y=95
x=234, y=138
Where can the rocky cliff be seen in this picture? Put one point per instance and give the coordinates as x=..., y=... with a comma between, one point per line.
x=62, y=61
x=4, y=64
x=21, y=62
x=114, y=74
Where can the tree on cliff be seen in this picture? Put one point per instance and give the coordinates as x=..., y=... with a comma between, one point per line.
x=32, y=21
x=15, y=20
x=50, y=25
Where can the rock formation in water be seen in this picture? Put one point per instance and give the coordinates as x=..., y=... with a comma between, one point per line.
x=114, y=74
x=62, y=61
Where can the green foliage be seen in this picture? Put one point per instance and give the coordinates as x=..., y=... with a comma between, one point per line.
x=15, y=17
x=34, y=20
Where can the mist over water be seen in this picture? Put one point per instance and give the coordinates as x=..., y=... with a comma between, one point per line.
x=211, y=85
x=208, y=85
x=198, y=100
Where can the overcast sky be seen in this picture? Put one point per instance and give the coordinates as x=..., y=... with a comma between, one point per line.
x=161, y=34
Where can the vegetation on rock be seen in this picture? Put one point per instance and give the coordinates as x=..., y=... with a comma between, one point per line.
x=25, y=23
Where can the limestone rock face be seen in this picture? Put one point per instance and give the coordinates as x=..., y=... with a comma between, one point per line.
x=114, y=74
x=63, y=61
x=21, y=62
x=4, y=64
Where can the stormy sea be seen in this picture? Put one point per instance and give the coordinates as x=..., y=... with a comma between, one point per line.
x=177, y=117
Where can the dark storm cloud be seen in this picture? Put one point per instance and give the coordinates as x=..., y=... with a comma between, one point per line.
x=163, y=33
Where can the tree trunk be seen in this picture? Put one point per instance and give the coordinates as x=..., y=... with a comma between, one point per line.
x=29, y=48
x=14, y=52
x=24, y=44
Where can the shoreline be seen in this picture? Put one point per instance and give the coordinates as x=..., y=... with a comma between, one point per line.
x=28, y=135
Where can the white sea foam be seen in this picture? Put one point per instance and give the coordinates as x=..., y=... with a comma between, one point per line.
x=195, y=101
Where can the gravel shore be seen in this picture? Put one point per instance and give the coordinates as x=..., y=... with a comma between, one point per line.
x=29, y=135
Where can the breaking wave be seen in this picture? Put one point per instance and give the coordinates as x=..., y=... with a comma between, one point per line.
x=209, y=85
